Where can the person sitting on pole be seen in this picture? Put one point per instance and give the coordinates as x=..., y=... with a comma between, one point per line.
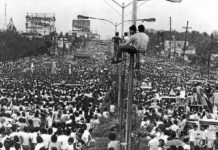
x=117, y=40
x=126, y=37
x=132, y=30
x=136, y=44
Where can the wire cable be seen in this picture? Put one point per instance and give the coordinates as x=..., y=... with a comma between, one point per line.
x=137, y=7
x=112, y=8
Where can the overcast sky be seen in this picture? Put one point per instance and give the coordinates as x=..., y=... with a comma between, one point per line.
x=202, y=14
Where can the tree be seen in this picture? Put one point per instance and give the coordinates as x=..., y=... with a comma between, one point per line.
x=14, y=46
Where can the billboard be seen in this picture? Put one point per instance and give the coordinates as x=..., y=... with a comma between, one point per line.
x=81, y=24
x=40, y=23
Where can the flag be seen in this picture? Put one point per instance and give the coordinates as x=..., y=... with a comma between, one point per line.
x=175, y=1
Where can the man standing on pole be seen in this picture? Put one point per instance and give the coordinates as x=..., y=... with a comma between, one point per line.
x=117, y=40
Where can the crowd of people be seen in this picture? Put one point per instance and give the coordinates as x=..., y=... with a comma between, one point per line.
x=167, y=108
x=59, y=110
x=42, y=110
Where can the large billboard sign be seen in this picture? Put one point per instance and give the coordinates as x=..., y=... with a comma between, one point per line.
x=81, y=25
x=40, y=23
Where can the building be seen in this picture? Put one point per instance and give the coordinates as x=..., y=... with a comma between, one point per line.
x=94, y=36
x=177, y=47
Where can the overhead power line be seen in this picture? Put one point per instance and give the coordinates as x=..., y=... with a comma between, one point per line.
x=112, y=8
x=130, y=12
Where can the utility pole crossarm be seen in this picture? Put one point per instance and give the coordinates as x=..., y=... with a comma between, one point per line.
x=186, y=34
x=187, y=27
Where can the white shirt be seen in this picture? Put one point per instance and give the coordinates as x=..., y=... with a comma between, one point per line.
x=114, y=144
x=38, y=146
x=112, y=108
x=13, y=134
x=186, y=147
x=106, y=114
x=182, y=94
x=26, y=138
x=192, y=135
x=86, y=136
x=153, y=144
x=174, y=127
x=50, y=121
x=73, y=135
x=144, y=123
x=70, y=147
x=34, y=136
x=46, y=139
x=64, y=140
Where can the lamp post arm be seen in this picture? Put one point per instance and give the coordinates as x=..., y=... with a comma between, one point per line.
x=103, y=20
x=149, y=20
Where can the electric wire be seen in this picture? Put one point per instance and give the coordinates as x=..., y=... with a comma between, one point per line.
x=137, y=7
x=112, y=8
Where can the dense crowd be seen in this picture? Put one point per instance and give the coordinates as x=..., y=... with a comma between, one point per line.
x=173, y=99
x=41, y=110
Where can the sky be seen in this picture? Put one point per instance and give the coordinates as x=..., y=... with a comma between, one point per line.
x=201, y=14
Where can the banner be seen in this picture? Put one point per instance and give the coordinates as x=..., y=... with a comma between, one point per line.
x=33, y=18
x=82, y=24
x=41, y=23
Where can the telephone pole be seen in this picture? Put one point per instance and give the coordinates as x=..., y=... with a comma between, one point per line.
x=208, y=63
x=130, y=88
x=186, y=34
x=122, y=28
x=121, y=70
x=170, y=37
x=5, y=18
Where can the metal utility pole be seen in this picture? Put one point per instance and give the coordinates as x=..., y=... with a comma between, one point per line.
x=211, y=44
x=129, y=103
x=115, y=27
x=120, y=70
x=122, y=28
x=186, y=34
x=174, y=47
x=170, y=37
x=134, y=12
x=130, y=87
x=5, y=18
x=123, y=6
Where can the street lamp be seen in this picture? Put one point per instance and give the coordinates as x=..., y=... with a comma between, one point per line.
x=115, y=25
x=87, y=17
x=175, y=1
